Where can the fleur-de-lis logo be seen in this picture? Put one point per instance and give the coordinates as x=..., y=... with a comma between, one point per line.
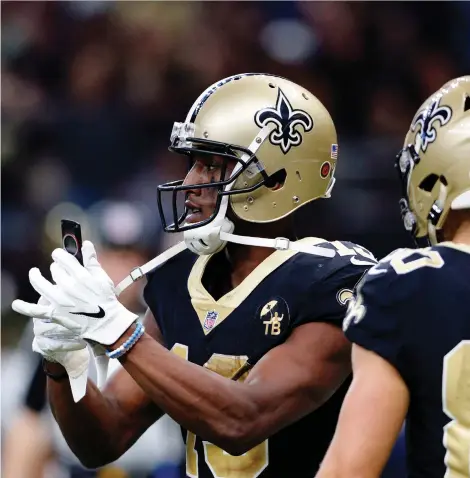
x=286, y=121
x=425, y=120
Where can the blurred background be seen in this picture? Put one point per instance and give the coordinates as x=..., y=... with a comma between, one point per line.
x=90, y=91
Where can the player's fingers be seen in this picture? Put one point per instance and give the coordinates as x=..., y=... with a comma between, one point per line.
x=43, y=301
x=66, y=283
x=88, y=253
x=31, y=310
x=42, y=327
x=90, y=260
x=79, y=274
x=64, y=321
x=48, y=290
x=70, y=264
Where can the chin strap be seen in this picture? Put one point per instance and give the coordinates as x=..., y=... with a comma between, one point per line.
x=435, y=214
x=279, y=243
x=139, y=272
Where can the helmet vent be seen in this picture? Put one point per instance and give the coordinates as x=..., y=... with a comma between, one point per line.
x=276, y=180
x=429, y=182
x=466, y=105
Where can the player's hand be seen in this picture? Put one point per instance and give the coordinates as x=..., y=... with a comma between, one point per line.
x=83, y=299
x=58, y=344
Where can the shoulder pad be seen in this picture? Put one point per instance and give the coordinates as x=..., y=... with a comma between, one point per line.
x=400, y=272
x=351, y=253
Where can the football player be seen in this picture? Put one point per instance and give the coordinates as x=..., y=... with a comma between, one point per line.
x=410, y=322
x=233, y=328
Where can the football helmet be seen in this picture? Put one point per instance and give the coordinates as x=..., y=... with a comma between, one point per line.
x=434, y=165
x=276, y=132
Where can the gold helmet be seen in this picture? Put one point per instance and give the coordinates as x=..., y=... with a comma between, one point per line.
x=275, y=130
x=434, y=165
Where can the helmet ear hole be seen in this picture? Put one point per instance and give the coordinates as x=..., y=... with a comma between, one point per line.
x=428, y=183
x=466, y=105
x=276, y=180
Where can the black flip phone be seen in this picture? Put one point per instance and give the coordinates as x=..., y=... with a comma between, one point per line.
x=72, y=238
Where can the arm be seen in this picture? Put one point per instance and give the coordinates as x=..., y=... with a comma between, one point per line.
x=104, y=424
x=370, y=421
x=300, y=374
x=27, y=446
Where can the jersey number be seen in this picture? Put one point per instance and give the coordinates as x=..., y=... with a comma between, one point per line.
x=365, y=258
x=357, y=310
x=222, y=464
x=456, y=405
x=429, y=259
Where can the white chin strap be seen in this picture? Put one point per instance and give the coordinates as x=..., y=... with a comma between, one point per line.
x=140, y=272
x=219, y=236
x=438, y=206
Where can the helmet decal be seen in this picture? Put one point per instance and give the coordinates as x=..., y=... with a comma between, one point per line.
x=425, y=121
x=286, y=119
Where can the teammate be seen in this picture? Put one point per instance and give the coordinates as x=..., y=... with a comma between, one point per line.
x=260, y=147
x=410, y=322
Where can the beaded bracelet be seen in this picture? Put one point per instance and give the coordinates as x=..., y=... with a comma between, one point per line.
x=129, y=343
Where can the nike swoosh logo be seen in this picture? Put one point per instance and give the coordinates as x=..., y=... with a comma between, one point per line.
x=96, y=315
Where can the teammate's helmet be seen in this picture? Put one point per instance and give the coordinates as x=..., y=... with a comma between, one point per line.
x=434, y=165
x=275, y=130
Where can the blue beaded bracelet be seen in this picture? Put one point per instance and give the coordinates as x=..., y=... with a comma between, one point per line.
x=129, y=343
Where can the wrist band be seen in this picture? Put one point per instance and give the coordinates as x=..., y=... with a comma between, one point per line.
x=129, y=343
x=57, y=377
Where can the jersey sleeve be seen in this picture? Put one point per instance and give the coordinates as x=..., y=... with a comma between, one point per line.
x=327, y=299
x=379, y=317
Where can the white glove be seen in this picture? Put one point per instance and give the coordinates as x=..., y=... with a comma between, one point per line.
x=83, y=300
x=58, y=344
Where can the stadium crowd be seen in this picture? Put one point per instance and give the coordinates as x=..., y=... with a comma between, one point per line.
x=90, y=91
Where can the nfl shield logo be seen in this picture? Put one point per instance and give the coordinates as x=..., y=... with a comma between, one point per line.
x=211, y=319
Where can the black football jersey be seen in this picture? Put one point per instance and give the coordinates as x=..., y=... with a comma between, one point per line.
x=286, y=290
x=413, y=309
